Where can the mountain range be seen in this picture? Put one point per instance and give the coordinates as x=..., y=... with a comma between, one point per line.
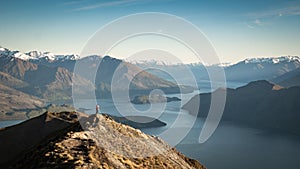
x=261, y=68
x=46, y=77
x=51, y=83
x=242, y=72
x=32, y=67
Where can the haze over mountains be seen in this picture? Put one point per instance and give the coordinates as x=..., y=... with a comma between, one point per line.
x=243, y=72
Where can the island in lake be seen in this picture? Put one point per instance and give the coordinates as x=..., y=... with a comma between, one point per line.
x=145, y=99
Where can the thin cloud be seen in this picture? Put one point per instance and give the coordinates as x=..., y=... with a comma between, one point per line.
x=249, y=26
x=254, y=23
x=73, y=2
x=108, y=4
x=286, y=11
x=262, y=18
x=257, y=22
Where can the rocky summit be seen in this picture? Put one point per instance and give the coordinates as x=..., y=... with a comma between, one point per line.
x=76, y=140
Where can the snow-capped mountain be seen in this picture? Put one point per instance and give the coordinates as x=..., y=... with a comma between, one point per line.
x=261, y=68
x=224, y=65
x=270, y=60
x=37, y=55
x=243, y=71
x=152, y=62
x=274, y=60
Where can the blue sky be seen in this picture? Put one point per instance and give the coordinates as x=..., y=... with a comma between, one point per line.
x=237, y=28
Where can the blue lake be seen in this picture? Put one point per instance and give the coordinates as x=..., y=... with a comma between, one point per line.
x=9, y=123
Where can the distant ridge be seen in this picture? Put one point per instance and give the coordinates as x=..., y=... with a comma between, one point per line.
x=244, y=71
x=259, y=104
x=50, y=57
x=261, y=68
x=288, y=79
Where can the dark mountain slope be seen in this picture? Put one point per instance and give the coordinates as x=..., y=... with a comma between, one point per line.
x=258, y=104
x=288, y=79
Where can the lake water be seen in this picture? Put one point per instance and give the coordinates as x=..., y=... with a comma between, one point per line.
x=9, y=123
x=231, y=146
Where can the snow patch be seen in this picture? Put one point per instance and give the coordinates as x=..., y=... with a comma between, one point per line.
x=37, y=55
x=275, y=60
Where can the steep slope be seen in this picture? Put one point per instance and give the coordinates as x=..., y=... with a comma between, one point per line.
x=140, y=81
x=51, y=83
x=16, y=67
x=60, y=142
x=125, y=71
x=12, y=100
x=258, y=104
x=61, y=86
x=11, y=81
x=288, y=79
x=26, y=135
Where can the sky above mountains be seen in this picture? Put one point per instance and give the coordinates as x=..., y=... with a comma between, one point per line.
x=238, y=29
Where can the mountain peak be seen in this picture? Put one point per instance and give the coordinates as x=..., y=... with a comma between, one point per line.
x=106, y=58
x=274, y=60
x=37, y=55
x=259, y=84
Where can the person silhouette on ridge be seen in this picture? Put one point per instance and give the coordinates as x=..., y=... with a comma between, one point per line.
x=95, y=119
x=97, y=108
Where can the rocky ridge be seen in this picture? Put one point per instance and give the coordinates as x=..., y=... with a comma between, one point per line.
x=95, y=141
